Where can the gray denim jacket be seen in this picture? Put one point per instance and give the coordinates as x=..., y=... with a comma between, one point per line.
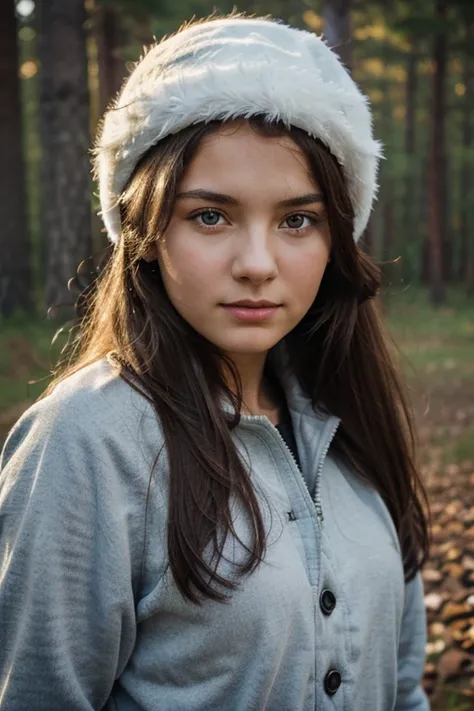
x=90, y=617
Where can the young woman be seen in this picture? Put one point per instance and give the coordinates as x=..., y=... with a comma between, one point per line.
x=216, y=506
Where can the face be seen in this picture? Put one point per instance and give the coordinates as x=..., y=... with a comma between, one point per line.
x=249, y=225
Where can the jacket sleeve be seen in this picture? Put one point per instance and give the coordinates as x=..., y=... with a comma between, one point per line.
x=411, y=651
x=67, y=619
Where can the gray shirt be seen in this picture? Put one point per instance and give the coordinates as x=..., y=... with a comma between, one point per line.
x=90, y=616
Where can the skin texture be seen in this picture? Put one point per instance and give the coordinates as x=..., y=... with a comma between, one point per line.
x=253, y=249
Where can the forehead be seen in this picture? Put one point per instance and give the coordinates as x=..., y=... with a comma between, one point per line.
x=236, y=154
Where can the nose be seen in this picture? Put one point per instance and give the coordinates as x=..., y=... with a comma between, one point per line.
x=254, y=259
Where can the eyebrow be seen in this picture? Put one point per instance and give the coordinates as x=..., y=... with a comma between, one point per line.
x=223, y=199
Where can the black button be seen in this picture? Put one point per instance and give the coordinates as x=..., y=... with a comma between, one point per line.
x=327, y=601
x=332, y=682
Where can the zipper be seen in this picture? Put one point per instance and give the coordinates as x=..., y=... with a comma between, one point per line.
x=322, y=458
x=317, y=489
x=293, y=459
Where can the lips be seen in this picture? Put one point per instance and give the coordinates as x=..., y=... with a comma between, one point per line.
x=249, y=304
x=252, y=311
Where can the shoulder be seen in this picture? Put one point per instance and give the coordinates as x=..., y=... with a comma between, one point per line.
x=97, y=396
x=94, y=412
x=74, y=487
x=83, y=458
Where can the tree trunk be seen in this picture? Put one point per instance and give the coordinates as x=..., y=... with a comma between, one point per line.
x=411, y=91
x=337, y=28
x=437, y=181
x=47, y=127
x=388, y=225
x=465, y=173
x=64, y=118
x=423, y=213
x=110, y=38
x=467, y=222
x=390, y=263
x=409, y=209
x=15, y=277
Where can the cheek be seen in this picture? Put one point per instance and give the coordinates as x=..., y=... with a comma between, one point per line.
x=305, y=273
x=186, y=268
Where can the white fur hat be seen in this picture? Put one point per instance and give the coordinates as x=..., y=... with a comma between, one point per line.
x=238, y=67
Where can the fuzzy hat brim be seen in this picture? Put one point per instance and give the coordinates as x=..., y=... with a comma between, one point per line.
x=235, y=68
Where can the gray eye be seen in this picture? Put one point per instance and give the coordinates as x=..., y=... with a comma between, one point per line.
x=210, y=218
x=295, y=221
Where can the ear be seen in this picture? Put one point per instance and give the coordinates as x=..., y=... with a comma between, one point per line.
x=151, y=254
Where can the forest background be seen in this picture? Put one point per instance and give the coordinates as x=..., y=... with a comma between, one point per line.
x=61, y=64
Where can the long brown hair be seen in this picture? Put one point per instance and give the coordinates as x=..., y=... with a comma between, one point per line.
x=338, y=352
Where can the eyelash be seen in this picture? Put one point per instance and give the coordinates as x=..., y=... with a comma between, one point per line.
x=211, y=228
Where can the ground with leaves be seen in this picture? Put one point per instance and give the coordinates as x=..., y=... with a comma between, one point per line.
x=437, y=350
x=449, y=587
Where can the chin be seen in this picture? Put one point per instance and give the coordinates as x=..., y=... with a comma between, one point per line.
x=251, y=345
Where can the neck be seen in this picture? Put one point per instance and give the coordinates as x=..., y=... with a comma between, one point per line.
x=257, y=397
